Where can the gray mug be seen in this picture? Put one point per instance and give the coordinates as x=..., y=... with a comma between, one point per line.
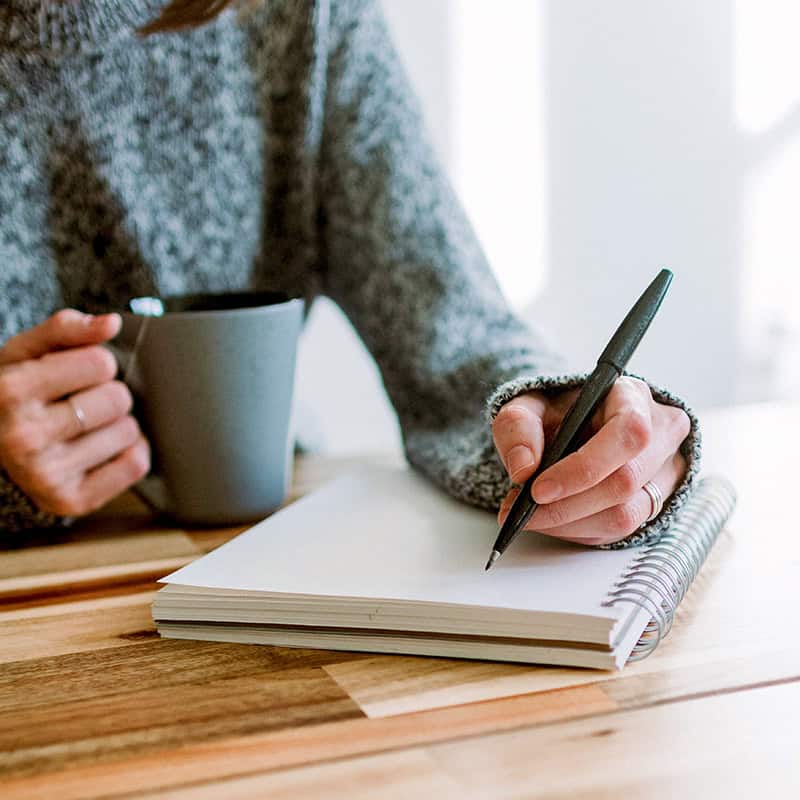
x=213, y=379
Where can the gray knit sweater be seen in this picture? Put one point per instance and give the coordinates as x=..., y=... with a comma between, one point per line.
x=280, y=150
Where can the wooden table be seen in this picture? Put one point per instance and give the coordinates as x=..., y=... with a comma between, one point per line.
x=94, y=704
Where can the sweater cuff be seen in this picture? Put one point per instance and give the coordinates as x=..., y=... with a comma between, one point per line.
x=19, y=513
x=690, y=448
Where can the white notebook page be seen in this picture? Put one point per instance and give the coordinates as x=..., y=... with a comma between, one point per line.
x=386, y=533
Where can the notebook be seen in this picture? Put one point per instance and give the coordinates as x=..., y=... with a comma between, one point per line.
x=380, y=560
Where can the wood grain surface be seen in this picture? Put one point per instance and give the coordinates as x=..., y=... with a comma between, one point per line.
x=94, y=704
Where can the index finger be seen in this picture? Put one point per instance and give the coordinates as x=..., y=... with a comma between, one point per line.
x=55, y=375
x=60, y=374
x=64, y=329
x=625, y=432
x=518, y=435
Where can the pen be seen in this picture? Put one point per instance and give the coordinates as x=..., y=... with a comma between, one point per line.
x=610, y=366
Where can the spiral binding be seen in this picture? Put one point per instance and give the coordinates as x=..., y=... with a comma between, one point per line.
x=660, y=576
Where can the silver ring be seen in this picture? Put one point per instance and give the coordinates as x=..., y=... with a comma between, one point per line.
x=77, y=412
x=656, y=500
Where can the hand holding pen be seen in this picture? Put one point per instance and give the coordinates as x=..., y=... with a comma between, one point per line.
x=593, y=495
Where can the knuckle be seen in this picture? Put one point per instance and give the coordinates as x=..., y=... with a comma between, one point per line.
x=512, y=415
x=129, y=428
x=22, y=440
x=120, y=398
x=556, y=514
x=65, y=316
x=626, y=480
x=638, y=385
x=624, y=519
x=583, y=469
x=54, y=496
x=637, y=431
x=124, y=433
x=64, y=319
x=48, y=481
x=681, y=422
x=137, y=461
x=69, y=499
x=13, y=387
x=103, y=363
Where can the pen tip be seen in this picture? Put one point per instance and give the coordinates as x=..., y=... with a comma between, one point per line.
x=492, y=558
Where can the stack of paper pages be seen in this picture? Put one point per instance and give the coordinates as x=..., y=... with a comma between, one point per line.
x=380, y=560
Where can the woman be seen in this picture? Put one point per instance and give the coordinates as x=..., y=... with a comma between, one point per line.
x=156, y=149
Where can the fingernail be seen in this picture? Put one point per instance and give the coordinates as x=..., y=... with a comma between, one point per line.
x=103, y=319
x=546, y=491
x=518, y=458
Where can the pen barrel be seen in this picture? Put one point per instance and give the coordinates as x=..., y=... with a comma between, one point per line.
x=631, y=330
x=594, y=391
x=610, y=366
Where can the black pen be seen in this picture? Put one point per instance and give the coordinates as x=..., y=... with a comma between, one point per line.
x=610, y=366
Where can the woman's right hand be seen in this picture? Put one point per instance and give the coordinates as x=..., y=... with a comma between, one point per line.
x=67, y=437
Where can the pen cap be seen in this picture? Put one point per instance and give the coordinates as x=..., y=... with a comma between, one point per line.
x=633, y=327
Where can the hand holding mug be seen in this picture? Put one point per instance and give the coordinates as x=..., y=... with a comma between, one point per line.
x=67, y=437
x=213, y=378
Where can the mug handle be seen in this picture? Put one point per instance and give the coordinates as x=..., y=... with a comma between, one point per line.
x=152, y=489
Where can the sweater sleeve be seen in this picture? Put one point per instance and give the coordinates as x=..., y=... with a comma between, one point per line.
x=403, y=263
x=18, y=512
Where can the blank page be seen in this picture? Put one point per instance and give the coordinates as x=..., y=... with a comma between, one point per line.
x=386, y=533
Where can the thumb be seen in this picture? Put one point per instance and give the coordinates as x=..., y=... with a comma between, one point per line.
x=64, y=329
x=518, y=433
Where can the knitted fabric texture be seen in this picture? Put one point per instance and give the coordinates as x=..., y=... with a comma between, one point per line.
x=278, y=150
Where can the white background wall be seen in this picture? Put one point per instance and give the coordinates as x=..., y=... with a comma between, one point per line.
x=592, y=142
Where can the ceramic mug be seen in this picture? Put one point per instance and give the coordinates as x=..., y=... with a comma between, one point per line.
x=212, y=379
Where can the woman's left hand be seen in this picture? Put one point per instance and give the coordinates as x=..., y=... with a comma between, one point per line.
x=594, y=495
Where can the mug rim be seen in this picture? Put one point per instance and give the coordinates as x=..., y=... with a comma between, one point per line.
x=280, y=301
